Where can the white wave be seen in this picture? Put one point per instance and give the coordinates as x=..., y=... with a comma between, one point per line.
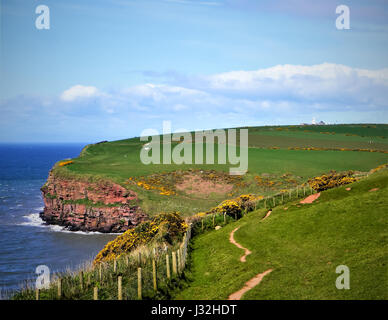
x=40, y=209
x=34, y=220
x=55, y=228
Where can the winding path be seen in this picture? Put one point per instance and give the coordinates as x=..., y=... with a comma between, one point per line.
x=311, y=199
x=267, y=214
x=231, y=239
x=249, y=285
x=255, y=280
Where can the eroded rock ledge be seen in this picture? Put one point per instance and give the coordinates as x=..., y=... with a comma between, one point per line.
x=85, y=206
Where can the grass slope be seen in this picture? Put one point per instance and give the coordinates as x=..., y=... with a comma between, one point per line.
x=303, y=244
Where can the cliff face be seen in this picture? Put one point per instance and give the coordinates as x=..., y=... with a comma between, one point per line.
x=80, y=205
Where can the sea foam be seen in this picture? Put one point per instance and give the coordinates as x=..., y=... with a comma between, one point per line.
x=34, y=220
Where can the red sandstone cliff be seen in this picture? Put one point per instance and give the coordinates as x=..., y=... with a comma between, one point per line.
x=85, y=206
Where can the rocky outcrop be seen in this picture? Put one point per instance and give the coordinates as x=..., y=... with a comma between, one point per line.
x=90, y=206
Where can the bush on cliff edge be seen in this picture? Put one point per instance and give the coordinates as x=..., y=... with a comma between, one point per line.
x=163, y=228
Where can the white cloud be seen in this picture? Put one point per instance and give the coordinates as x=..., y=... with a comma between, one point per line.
x=279, y=94
x=329, y=71
x=317, y=83
x=196, y=2
x=180, y=107
x=331, y=86
x=292, y=75
x=78, y=91
x=159, y=92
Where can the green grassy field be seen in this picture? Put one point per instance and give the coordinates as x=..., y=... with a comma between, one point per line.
x=328, y=136
x=303, y=244
x=120, y=160
x=345, y=132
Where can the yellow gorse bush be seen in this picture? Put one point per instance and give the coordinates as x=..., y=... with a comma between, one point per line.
x=234, y=206
x=65, y=163
x=380, y=167
x=229, y=207
x=336, y=149
x=153, y=183
x=164, y=228
x=331, y=180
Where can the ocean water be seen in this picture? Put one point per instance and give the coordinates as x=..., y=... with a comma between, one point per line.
x=25, y=241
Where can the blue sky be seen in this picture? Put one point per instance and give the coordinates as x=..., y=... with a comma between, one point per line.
x=107, y=69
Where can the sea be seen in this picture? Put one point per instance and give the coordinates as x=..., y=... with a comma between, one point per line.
x=26, y=242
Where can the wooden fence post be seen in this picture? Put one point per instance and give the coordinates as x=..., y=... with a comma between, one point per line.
x=119, y=288
x=289, y=194
x=88, y=280
x=95, y=293
x=37, y=294
x=213, y=219
x=174, y=271
x=168, y=266
x=59, y=288
x=297, y=192
x=202, y=223
x=178, y=253
x=282, y=198
x=139, y=283
x=182, y=259
x=154, y=274
x=81, y=280
x=139, y=258
x=100, y=272
x=126, y=260
x=274, y=201
x=304, y=190
x=224, y=218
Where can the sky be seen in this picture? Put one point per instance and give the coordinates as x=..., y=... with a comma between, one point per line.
x=108, y=69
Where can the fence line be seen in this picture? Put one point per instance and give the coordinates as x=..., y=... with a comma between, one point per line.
x=138, y=274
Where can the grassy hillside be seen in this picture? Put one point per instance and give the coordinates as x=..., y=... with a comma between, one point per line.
x=303, y=244
x=280, y=168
